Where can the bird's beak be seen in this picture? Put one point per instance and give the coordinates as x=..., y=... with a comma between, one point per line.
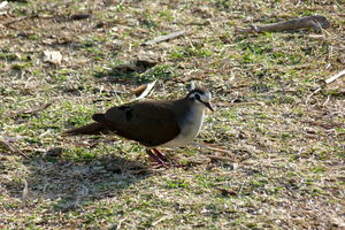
x=208, y=105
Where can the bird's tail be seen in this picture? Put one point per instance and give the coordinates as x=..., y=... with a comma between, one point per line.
x=90, y=129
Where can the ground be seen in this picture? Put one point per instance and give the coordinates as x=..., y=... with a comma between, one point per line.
x=280, y=163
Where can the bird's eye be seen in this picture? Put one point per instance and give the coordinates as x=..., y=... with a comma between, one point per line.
x=197, y=96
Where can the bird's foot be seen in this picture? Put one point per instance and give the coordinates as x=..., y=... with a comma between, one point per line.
x=161, y=160
x=157, y=159
x=160, y=155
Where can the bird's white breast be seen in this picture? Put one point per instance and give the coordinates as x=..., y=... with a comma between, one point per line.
x=190, y=127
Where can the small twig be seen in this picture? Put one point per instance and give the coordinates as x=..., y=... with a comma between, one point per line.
x=219, y=158
x=118, y=227
x=11, y=148
x=312, y=94
x=164, y=38
x=316, y=22
x=325, y=82
x=160, y=220
x=20, y=19
x=217, y=149
x=25, y=192
x=326, y=101
x=335, y=77
x=34, y=110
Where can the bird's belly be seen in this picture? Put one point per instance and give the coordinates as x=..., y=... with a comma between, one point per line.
x=191, y=128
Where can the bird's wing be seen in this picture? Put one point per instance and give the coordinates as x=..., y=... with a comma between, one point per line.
x=149, y=123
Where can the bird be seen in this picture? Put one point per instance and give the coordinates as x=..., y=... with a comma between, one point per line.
x=153, y=123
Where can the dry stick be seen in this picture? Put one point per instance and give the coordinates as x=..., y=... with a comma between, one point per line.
x=335, y=77
x=316, y=22
x=327, y=81
x=147, y=90
x=164, y=38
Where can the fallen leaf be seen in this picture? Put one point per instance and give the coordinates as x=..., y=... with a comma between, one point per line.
x=143, y=90
x=138, y=66
x=227, y=192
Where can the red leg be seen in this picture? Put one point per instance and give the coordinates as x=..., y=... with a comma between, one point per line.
x=160, y=154
x=165, y=159
x=156, y=158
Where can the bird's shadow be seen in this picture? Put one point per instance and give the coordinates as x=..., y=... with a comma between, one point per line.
x=70, y=185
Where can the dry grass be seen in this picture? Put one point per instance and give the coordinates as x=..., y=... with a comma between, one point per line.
x=286, y=167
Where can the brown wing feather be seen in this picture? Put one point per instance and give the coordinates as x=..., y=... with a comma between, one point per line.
x=149, y=123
